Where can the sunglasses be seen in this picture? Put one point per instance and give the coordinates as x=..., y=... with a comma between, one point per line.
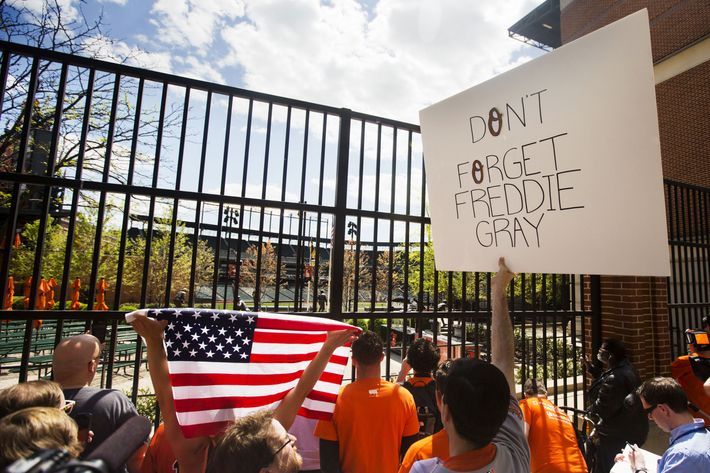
x=650, y=409
x=68, y=406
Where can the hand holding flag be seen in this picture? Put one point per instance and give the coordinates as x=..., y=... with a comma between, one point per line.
x=226, y=364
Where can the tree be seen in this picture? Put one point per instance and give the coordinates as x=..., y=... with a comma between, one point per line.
x=53, y=28
x=355, y=264
x=267, y=274
x=180, y=265
x=55, y=240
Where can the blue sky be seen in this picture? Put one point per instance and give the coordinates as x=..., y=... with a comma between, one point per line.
x=383, y=57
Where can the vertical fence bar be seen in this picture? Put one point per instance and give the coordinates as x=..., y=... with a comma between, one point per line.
x=341, y=200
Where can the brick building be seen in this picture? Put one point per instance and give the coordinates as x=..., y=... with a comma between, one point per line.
x=648, y=314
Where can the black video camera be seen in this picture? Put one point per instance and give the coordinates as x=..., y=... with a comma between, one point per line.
x=55, y=461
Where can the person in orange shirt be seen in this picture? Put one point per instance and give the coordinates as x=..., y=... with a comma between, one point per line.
x=682, y=371
x=159, y=458
x=374, y=421
x=436, y=445
x=553, y=443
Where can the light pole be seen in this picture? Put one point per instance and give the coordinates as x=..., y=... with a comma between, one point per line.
x=352, y=233
x=231, y=217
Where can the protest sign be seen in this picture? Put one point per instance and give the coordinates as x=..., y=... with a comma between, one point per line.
x=555, y=164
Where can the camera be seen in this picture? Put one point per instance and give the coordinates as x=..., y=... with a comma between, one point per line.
x=56, y=461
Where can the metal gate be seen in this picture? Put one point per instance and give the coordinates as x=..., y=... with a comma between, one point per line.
x=689, y=241
x=131, y=188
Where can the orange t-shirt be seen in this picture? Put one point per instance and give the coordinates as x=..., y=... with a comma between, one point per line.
x=436, y=445
x=692, y=386
x=553, y=444
x=371, y=416
x=159, y=458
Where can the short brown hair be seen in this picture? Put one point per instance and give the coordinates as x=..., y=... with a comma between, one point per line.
x=661, y=390
x=534, y=387
x=30, y=394
x=27, y=431
x=247, y=445
x=367, y=348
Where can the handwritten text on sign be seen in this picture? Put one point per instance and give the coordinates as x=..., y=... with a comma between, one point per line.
x=508, y=192
x=554, y=164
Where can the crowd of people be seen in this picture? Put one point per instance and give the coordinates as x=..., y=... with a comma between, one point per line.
x=458, y=415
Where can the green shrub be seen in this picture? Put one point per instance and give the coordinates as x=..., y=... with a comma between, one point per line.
x=146, y=403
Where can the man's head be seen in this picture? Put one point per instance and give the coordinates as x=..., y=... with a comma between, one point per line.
x=612, y=352
x=75, y=360
x=534, y=388
x=367, y=349
x=27, y=431
x=256, y=443
x=30, y=394
x=475, y=402
x=664, y=402
x=423, y=356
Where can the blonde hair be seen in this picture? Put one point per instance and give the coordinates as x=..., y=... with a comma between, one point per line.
x=30, y=394
x=27, y=431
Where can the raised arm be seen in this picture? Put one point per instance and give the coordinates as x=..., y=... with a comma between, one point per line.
x=502, y=342
x=191, y=454
x=286, y=412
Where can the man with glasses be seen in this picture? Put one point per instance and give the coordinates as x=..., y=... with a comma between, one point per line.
x=665, y=403
x=74, y=365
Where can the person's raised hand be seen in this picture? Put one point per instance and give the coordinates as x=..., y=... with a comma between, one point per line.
x=337, y=338
x=503, y=276
x=149, y=328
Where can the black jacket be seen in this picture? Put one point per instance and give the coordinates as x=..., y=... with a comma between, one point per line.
x=619, y=417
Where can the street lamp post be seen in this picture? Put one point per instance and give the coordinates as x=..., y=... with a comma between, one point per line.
x=231, y=217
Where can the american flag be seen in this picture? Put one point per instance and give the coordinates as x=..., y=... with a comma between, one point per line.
x=225, y=364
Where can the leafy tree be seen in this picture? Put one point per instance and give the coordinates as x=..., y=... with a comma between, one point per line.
x=52, y=261
x=351, y=259
x=61, y=28
x=160, y=262
x=267, y=274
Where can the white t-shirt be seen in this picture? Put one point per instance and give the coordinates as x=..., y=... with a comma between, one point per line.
x=512, y=451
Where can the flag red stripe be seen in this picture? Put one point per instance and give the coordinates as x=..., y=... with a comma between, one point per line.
x=264, y=321
x=321, y=396
x=311, y=414
x=210, y=403
x=261, y=336
x=292, y=358
x=232, y=402
x=203, y=430
x=216, y=379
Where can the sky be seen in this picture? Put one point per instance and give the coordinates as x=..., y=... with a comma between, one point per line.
x=382, y=57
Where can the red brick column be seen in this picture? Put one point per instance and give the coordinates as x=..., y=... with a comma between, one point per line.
x=635, y=310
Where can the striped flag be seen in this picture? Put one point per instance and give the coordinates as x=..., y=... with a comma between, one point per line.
x=226, y=364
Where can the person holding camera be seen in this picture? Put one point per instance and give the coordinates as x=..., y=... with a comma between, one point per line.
x=690, y=371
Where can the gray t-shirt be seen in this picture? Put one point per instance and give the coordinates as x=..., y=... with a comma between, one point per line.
x=109, y=409
x=512, y=451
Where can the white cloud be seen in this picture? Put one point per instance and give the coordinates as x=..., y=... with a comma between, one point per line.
x=117, y=2
x=193, y=23
x=409, y=55
x=102, y=47
x=67, y=7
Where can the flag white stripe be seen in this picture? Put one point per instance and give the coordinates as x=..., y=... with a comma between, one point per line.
x=205, y=367
x=206, y=392
x=220, y=415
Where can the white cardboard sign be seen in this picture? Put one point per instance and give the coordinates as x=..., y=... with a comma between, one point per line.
x=555, y=165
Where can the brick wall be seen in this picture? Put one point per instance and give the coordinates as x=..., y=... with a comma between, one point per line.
x=634, y=309
x=684, y=125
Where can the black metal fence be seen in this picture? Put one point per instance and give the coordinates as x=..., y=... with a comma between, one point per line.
x=689, y=240
x=154, y=190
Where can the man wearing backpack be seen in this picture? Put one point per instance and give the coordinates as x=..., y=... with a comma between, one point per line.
x=423, y=357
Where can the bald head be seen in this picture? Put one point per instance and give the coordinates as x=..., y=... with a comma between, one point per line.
x=75, y=361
